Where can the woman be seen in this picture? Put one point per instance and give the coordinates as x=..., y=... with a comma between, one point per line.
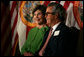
x=35, y=35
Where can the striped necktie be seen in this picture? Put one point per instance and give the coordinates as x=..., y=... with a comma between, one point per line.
x=47, y=40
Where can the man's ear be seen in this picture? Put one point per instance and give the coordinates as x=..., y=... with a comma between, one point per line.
x=56, y=15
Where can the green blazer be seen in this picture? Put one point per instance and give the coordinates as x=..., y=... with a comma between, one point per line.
x=34, y=40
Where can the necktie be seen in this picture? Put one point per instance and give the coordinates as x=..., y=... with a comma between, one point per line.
x=47, y=40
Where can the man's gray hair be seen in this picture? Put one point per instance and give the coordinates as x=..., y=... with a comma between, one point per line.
x=58, y=8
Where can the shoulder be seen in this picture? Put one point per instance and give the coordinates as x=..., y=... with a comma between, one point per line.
x=33, y=29
x=63, y=27
x=75, y=31
x=64, y=30
x=44, y=29
x=32, y=32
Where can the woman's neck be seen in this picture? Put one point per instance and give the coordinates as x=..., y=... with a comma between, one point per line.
x=40, y=26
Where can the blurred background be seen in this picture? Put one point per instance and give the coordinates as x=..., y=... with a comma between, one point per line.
x=16, y=21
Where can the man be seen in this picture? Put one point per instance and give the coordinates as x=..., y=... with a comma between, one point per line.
x=35, y=35
x=61, y=42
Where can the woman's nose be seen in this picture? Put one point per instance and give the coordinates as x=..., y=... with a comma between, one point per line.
x=36, y=16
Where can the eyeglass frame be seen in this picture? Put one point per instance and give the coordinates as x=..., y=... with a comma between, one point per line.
x=53, y=13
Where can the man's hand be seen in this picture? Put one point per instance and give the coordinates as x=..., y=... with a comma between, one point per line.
x=28, y=54
x=40, y=53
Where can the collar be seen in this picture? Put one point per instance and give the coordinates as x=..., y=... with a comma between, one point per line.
x=55, y=26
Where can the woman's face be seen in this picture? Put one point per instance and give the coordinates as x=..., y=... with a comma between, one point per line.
x=38, y=17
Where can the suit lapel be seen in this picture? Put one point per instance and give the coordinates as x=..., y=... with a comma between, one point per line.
x=59, y=28
x=53, y=37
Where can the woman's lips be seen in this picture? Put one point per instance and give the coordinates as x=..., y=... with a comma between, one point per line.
x=38, y=19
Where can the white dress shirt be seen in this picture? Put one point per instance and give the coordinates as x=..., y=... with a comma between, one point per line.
x=55, y=26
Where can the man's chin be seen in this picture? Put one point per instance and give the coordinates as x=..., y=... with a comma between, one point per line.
x=48, y=24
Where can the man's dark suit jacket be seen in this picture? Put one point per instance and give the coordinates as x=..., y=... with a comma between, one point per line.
x=63, y=44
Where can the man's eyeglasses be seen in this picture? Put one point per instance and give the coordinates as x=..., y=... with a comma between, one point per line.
x=53, y=13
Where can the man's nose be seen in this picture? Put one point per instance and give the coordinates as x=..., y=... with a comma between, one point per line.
x=45, y=16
